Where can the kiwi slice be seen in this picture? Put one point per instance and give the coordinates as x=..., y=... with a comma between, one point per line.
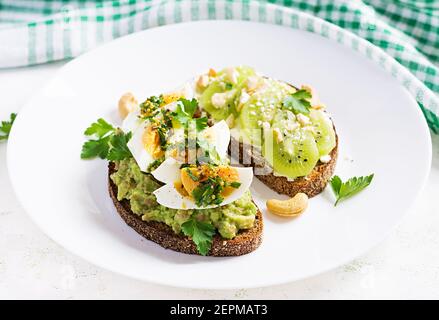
x=244, y=73
x=324, y=133
x=206, y=100
x=295, y=156
x=250, y=120
x=231, y=92
x=285, y=120
x=262, y=107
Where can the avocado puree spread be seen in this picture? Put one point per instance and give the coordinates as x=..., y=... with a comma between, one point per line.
x=137, y=187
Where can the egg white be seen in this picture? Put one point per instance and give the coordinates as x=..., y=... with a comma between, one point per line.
x=218, y=136
x=131, y=121
x=134, y=124
x=169, y=173
x=137, y=148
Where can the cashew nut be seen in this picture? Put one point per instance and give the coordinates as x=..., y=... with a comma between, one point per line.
x=127, y=104
x=315, y=101
x=211, y=73
x=288, y=208
x=203, y=81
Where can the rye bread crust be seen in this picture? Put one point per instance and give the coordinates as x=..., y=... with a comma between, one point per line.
x=311, y=185
x=245, y=242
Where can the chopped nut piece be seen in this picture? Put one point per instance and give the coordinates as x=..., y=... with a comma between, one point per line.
x=211, y=73
x=303, y=120
x=244, y=97
x=252, y=83
x=278, y=135
x=203, y=81
x=232, y=75
x=325, y=159
x=219, y=100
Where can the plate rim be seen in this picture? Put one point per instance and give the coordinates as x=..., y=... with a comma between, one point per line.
x=163, y=281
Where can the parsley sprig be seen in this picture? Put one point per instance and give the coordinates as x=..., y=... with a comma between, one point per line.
x=298, y=102
x=184, y=114
x=109, y=143
x=201, y=234
x=344, y=190
x=6, y=126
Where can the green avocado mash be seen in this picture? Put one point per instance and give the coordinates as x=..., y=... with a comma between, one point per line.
x=137, y=187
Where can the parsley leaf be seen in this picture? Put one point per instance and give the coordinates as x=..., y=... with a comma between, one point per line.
x=188, y=106
x=235, y=184
x=201, y=233
x=200, y=123
x=110, y=144
x=185, y=111
x=344, y=190
x=119, y=149
x=6, y=126
x=99, y=128
x=298, y=102
x=95, y=148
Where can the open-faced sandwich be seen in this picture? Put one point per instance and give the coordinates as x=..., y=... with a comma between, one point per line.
x=280, y=130
x=170, y=175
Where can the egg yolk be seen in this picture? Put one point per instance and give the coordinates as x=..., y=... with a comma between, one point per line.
x=171, y=97
x=180, y=189
x=151, y=142
x=188, y=183
x=228, y=174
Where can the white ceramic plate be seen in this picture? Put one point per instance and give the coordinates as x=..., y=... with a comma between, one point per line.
x=380, y=126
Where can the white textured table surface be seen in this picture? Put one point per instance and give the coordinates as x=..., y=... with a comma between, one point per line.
x=405, y=265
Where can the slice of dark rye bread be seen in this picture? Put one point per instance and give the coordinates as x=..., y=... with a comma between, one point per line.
x=245, y=242
x=311, y=185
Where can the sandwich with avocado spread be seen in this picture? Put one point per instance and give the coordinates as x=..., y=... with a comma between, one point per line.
x=171, y=177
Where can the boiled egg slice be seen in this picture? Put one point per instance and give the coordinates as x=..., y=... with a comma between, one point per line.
x=174, y=194
x=218, y=136
x=145, y=145
x=132, y=121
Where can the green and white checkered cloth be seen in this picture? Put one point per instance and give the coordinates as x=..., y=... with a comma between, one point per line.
x=402, y=36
